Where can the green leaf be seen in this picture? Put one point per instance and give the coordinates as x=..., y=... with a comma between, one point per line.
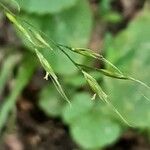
x=77, y=80
x=24, y=75
x=81, y=104
x=130, y=51
x=95, y=131
x=45, y=6
x=50, y=101
x=61, y=64
x=69, y=28
x=88, y=126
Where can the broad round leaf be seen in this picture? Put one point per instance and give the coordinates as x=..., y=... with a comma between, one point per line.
x=50, y=101
x=88, y=126
x=81, y=104
x=94, y=131
x=45, y=6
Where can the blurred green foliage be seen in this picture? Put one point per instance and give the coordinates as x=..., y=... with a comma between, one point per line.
x=130, y=52
x=22, y=79
x=46, y=6
x=68, y=27
x=92, y=124
x=88, y=126
x=107, y=13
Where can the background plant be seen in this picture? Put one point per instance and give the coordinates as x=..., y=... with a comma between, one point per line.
x=83, y=111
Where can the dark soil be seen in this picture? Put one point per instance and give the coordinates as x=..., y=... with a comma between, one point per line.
x=36, y=131
x=131, y=140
